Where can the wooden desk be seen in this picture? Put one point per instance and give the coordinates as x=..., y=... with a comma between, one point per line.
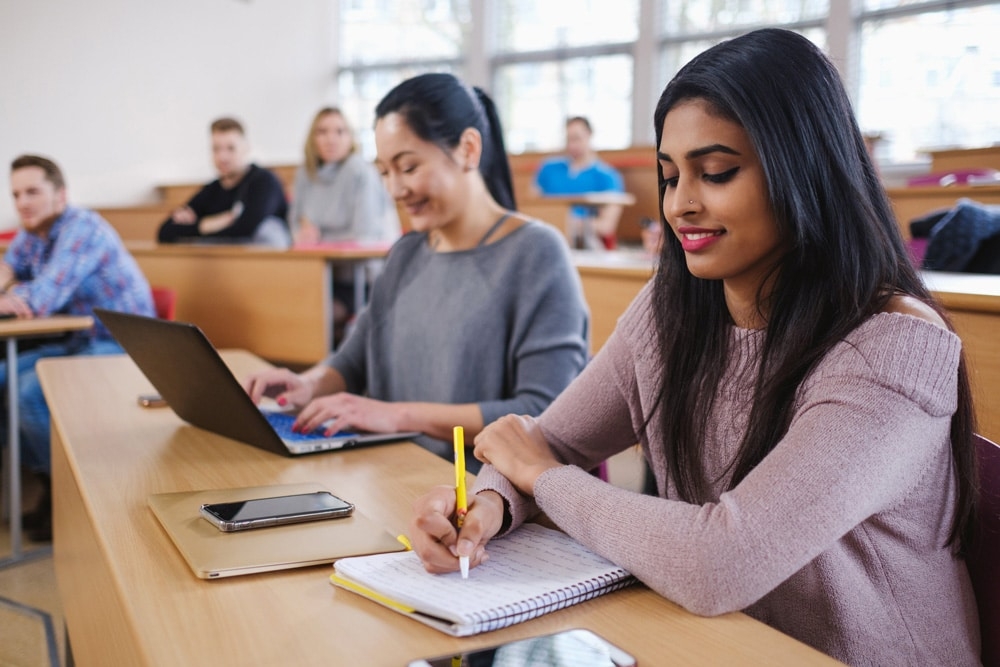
x=136, y=223
x=173, y=195
x=277, y=304
x=637, y=166
x=611, y=280
x=973, y=302
x=11, y=331
x=141, y=222
x=949, y=159
x=910, y=203
x=130, y=599
x=554, y=209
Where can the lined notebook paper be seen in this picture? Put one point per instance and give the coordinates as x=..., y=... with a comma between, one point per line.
x=531, y=572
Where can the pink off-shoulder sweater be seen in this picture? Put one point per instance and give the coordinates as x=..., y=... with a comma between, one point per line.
x=836, y=538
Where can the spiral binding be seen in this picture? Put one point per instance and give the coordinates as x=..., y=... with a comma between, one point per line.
x=511, y=614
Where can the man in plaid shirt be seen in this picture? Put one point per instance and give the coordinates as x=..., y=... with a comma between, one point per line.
x=63, y=260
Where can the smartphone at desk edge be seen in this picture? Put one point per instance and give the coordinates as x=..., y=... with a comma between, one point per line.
x=592, y=650
x=275, y=511
x=151, y=401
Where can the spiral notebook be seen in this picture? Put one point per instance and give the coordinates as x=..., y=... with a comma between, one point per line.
x=531, y=572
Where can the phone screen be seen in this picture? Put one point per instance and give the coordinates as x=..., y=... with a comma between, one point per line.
x=572, y=648
x=281, y=506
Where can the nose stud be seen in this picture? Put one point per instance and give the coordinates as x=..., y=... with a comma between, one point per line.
x=690, y=201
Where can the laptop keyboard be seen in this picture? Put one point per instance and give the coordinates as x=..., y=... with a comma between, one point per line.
x=282, y=422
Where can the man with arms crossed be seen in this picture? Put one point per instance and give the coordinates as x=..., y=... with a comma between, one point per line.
x=246, y=204
x=64, y=260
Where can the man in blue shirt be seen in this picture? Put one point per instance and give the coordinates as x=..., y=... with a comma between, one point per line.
x=580, y=171
x=63, y=260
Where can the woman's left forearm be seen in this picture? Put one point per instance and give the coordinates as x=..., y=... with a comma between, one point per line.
x=438, y=419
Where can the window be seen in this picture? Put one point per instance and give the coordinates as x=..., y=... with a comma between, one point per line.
x=376, y=31
x=676, y=53
x=731, y=17
x=552, y=63
x=535, y=99
x=691, y=26
x=929, y=79
x=382, y=43
x=922, y=73
x=537, y=25
x=361, y=91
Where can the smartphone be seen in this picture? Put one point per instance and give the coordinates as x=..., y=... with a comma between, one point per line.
x=569, y=648
x=276, y=511
x=151, y=401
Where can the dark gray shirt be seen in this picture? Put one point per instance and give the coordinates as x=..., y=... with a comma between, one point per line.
x=503, y=325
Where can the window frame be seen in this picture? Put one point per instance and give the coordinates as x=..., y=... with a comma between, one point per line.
x=481, y=63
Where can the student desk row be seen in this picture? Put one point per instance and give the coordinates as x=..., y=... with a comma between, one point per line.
x=130, y=599
x=973, y=303
x=11, y=330
x=612, y=280
x=554, y=209
x=276, y=303
x=917, y=201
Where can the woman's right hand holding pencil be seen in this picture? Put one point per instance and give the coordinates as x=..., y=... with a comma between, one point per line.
x=437, y=541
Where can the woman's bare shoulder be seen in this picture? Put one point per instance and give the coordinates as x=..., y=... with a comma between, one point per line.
x=905, y=304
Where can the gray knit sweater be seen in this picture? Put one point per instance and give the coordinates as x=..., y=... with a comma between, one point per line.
x=346, y=201
x=836, y=538
x=503, y=325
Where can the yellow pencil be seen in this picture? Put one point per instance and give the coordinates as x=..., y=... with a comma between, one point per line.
x=461, y=498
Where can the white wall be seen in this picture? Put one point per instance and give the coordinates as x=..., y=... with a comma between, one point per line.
x=121, y=92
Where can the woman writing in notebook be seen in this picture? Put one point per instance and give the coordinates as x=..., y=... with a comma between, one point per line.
x=797, y=393
x=477, y=314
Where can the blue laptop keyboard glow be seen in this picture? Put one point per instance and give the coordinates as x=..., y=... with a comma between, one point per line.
x=282, y=422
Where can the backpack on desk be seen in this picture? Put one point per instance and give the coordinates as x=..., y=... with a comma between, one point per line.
x=965, y=239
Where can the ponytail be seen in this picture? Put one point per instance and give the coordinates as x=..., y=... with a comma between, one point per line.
x=494, y=165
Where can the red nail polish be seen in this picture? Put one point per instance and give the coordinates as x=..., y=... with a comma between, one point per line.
x=282, y=401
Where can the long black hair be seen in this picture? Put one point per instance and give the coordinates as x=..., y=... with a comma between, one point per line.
x=845, y=257
x=438, y=107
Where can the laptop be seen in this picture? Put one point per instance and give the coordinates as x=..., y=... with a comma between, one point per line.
x=213, y=554
x=180, y=362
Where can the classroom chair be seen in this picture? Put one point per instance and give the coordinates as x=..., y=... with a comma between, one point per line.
x=984, y=555
x=165, y=302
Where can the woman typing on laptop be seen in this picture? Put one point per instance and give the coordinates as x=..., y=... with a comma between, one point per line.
x=478, y=313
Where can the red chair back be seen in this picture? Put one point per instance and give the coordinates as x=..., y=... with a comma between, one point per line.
x=984, y=556
x=165, y=302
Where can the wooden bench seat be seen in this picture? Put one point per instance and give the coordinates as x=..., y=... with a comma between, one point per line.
x=140, y=223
